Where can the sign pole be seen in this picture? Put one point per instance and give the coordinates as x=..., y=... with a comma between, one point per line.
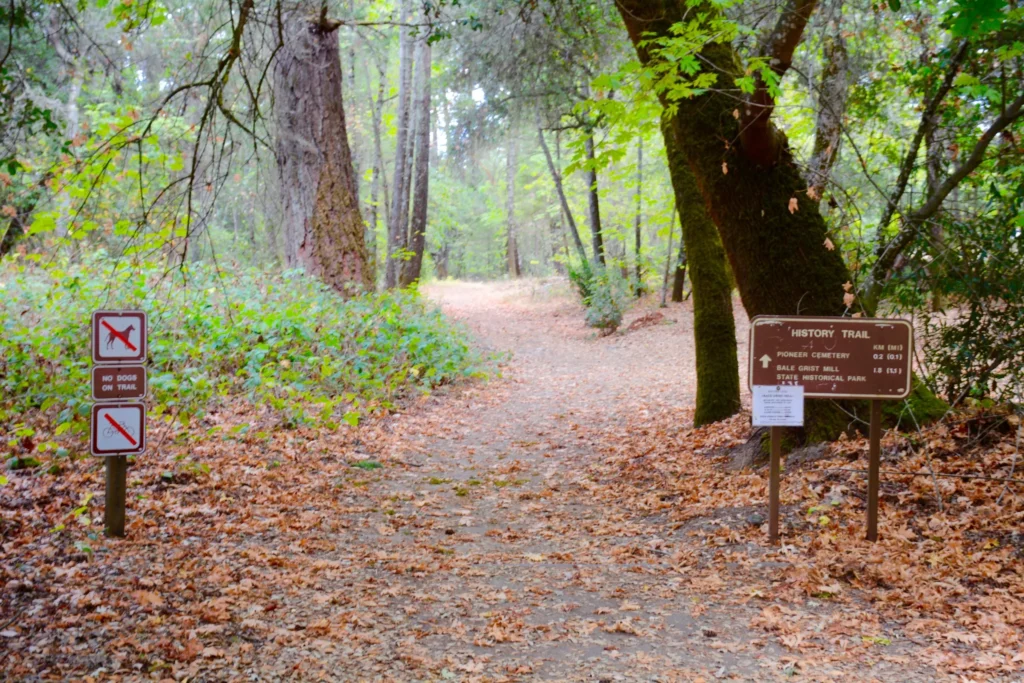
x=775, y=474
x=874, y=464
x=114, y=511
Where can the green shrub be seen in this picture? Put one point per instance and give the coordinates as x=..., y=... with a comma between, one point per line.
x=581, y=275
x=609, y=294
x=281, y=340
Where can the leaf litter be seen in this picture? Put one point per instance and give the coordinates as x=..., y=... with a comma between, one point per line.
x=562, y=523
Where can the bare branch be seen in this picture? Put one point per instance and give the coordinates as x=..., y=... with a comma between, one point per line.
x=915, y=219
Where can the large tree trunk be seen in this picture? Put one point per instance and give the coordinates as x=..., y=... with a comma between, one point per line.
x=417, y=239
x=714, y=330
x=592, y=200
x=398, y=224
x=511, y=248
x=774, y=236
x=556, y=177
x=322, y=224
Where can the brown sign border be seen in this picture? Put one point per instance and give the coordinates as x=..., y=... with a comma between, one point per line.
x=832, y=320
x=97, y=336
x=120, y=368
x=93, y=436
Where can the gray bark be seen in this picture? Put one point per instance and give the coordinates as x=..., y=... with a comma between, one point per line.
x=560, y=191
x=398, y=223
x=417, y=239
x=511, y=248
x=324, y=231
x=831, y=110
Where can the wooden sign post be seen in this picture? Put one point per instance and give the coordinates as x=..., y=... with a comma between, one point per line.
x=849, y=358
x=119, y=346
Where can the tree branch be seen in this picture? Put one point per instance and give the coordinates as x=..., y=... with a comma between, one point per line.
x=890, y=250
x=758, y=137
x=927, y=118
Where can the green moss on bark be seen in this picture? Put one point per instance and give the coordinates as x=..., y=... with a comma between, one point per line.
x=718, y=380
x=920, y=408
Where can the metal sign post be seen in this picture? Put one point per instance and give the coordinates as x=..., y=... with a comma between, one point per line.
x=849, y=358
x=118, y=429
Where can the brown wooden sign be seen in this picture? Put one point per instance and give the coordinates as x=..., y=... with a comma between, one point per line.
x=118, y=382
x=118, y=337
x=833, y=357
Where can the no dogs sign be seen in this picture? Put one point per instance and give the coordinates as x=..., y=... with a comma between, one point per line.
x=118, y=337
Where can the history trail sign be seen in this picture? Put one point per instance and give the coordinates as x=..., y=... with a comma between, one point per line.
x=841, y=358
x=832, y=357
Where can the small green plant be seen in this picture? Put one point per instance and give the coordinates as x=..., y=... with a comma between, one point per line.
x=608, y=297
x=581, y=275
x=367, y=464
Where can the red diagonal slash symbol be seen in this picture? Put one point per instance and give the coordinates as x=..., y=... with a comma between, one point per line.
x=119, y=335
x=121, y=429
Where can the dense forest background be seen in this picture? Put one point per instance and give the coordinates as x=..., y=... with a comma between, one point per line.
x=841, y=158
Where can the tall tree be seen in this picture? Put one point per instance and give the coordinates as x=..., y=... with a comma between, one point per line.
x=714, y=330
x=511, y=248
x=832, y=96
x=639, y=215
x=322, y=225
x=556, y=177
x=398, y=223
x=418, y=227
x=679, y=276
x=593, y=199
x=752, y=188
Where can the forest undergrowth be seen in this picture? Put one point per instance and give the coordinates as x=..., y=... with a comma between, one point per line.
x=278, y=550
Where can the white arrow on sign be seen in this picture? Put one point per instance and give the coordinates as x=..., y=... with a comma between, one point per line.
x=765, y=360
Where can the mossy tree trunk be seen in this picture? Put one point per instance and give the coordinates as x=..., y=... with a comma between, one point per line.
x=323, y=227
x=714, y=330
x=773, y=234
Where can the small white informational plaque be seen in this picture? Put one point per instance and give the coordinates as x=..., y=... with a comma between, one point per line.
x=778, y=406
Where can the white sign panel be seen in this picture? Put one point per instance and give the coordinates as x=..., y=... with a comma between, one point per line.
x=778, y=406
x=118, y=336
x=118, y=429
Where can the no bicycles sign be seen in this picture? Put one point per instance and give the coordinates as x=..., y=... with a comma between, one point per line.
x=118, y=429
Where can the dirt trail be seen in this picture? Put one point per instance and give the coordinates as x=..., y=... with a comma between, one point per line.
x=488, y=556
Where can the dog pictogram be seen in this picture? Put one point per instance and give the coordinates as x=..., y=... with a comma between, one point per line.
x=119, y=335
